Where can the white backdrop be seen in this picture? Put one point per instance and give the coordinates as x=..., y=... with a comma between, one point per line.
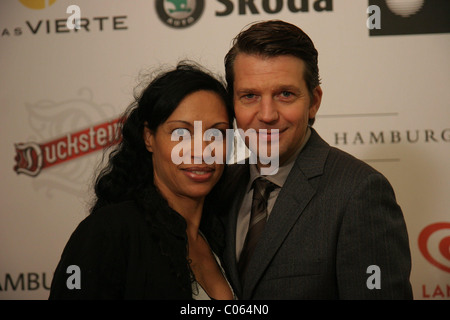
x=386, y=101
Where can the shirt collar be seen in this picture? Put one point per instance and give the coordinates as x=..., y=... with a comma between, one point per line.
x=280, y=177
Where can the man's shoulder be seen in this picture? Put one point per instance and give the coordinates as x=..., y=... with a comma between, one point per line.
x=337, y=164
x=338, y=157
x=343, y=159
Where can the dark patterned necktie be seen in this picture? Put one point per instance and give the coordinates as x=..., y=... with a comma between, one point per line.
x=261, y=191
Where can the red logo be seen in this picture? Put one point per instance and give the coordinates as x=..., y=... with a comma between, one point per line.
x=443, y=246
x=31, y=157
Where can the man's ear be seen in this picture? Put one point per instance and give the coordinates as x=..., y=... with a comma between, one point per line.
x=315, y=102
x=148, y=137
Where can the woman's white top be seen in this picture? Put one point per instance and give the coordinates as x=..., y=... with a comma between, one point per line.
x=198, y=293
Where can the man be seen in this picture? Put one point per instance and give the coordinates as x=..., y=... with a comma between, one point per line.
x=331, y=227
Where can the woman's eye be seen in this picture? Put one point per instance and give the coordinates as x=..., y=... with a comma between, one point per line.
x=181, y=132
x=216, y=133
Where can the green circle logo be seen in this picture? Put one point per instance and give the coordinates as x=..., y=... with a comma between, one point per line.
x=179, y=13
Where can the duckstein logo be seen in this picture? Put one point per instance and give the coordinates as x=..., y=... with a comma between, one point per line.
x=179, y=13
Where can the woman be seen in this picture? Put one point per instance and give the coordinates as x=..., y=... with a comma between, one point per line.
x=152, y=233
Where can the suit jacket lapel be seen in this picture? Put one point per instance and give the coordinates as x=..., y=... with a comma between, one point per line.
x=295, y=195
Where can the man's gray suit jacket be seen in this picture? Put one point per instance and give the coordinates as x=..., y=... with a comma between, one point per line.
x=335, y=218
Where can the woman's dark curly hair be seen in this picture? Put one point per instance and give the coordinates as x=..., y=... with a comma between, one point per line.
x=128, y=174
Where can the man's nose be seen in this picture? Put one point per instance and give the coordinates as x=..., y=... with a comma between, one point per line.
x=268, y=111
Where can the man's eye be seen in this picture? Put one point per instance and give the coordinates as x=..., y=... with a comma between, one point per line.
x=249, y=96
x=286, y=94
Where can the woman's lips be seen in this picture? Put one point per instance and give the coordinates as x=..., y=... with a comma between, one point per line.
x=198, y=174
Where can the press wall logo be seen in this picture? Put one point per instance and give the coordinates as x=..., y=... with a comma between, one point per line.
x=31, y=157
x=392, y=137
x=434, y=244
x=37, y=4
x=25, y=281
x=69, y=130
x=436, y=235
x=179, y=13
x=399, y=17
x=252, y=7
x=70, y=22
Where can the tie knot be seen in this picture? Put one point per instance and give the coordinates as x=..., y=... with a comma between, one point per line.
x=263, y=187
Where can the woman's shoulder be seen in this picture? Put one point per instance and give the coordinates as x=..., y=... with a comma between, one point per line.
x=113, y=217
x=118, y=210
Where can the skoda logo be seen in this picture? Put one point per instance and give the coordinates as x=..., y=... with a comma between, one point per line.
x=179, y=13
